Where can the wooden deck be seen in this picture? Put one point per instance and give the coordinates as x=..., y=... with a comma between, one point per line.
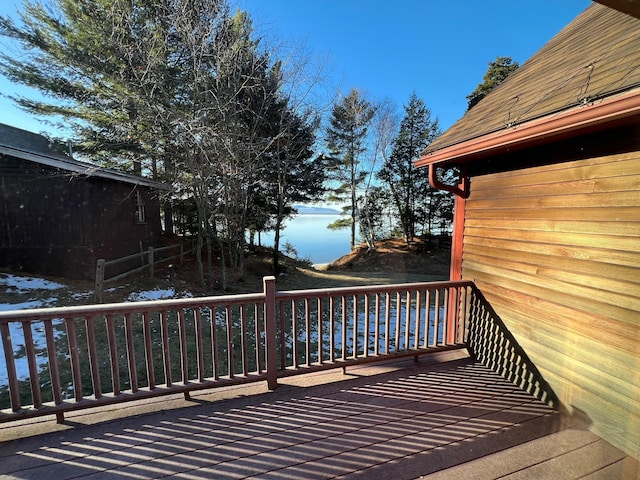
x=444, y=417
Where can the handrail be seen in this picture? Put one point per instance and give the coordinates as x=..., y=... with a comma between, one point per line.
x=62, y=359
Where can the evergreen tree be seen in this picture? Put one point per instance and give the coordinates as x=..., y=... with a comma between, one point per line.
x=376, y=210
x=411, y=193
x=497, y=72
x=179, y=88
x=346, y=142
x=114, y=72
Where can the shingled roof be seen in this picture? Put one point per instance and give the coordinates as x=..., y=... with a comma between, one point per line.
x=595, y=57
x=37, y=148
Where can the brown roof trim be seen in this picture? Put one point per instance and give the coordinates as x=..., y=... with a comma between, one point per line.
x=577, y=120
x=76, y=166
x=630, y=7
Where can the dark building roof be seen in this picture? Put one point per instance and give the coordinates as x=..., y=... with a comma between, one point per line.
x=37, y=148
x=595, y=57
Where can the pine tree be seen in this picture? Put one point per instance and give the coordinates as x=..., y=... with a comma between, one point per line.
x=116, y=73
x=497, y=72
x=409, y=186
x=346, y=142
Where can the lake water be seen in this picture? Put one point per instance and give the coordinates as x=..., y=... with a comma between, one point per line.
x=312, y=239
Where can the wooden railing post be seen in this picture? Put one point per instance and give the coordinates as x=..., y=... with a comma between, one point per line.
x=99, y=287
x=151, y=261
x=271, y=331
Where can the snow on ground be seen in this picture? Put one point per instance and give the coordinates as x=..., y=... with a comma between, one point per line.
x=40, y=303
x=27, y=292
x=158, y=294
x=22, y=292
x=18, y=284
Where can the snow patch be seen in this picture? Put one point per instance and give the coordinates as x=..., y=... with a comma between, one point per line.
x=158, y=294
x=18, y=284
x=41, y=303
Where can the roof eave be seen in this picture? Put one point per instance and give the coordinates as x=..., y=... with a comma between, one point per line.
x=82, y=168
x=578, y=120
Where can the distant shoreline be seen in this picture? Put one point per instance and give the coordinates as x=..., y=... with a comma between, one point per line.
x=304, y=210
x=327, y=214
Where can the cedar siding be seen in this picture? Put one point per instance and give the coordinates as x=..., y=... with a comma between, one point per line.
x=548, y=219
x=556, y=251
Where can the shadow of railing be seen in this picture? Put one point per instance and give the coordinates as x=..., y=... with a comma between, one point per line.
x=491, y=343
x=399, y=425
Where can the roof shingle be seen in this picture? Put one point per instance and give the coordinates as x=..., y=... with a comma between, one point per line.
x=595, y=56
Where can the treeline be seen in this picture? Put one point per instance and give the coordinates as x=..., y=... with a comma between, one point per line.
x=187, y=93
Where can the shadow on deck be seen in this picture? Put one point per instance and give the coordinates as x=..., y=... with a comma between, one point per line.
x=444, y=417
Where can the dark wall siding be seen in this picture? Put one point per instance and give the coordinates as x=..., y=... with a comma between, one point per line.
x=556, y=250
x=59, y=223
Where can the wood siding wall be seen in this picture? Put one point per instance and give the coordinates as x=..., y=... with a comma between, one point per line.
x=556, y=251
x=57, y=223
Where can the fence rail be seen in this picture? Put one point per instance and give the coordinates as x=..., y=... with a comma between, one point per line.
x=149, y=259
x=62, y=359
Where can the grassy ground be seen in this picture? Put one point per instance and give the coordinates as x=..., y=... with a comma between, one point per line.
x=391, y=262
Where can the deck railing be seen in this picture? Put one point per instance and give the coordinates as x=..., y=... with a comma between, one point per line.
x=62, y=359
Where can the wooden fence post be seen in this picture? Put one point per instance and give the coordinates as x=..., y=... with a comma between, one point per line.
x=181, y=253
x=99, y=288
x=270, y=331
x=151, y=272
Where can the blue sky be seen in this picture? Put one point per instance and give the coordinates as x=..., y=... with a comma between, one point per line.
x=390, y=48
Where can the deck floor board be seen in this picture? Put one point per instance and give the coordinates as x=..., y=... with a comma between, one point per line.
x=431, y=420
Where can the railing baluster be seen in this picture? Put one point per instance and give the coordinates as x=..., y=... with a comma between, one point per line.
x=376, y=335
x=7, y=346
x=332, y=329
x=416, y=340
x=131, y=354
x=445, y=316
x=407, y=330
x=243, y=339
x=307, y=335
x=320, y=330
x=427, y=320
x=283, y=336
x=367, y=325
x=436, y=326
x=344, y=327
x=355, y=326
x=259, y=350
x=197, y=320
x=30, y=350
x=148, y=352
x=52, y=356
x=166, y=353
x=387, y=321
x=230, y=350
x=184, y=356
x=214, y=342
x=74, y=358
x=436, y=320
x=398, y=320
x=93, y=356
x=294, y=334
x=113, y=354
